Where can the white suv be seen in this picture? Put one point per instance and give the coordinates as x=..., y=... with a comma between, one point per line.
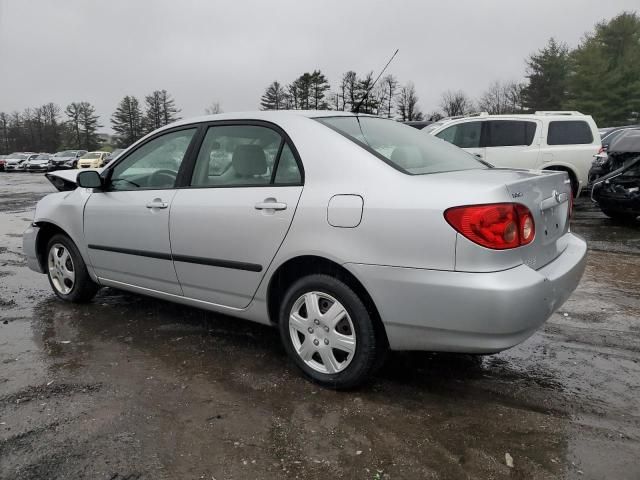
x=544, y=141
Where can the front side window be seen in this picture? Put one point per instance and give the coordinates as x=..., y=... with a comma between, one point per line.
x=411, y=151
x=510, y=133
x=569, y=132
x=244, y=155
x=463, y=135
x=154, y=165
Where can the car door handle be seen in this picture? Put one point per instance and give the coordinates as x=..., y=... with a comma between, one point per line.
x=157, y=203
x=479, y=155
x=270, y=205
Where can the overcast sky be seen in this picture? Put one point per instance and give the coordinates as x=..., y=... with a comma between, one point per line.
x=200, y=51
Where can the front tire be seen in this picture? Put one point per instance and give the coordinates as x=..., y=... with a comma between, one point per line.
x=328, y=333
x=67, y=271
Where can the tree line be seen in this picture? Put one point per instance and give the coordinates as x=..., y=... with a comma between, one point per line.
x=600, y=77
x=312, y=91
x=49, y=128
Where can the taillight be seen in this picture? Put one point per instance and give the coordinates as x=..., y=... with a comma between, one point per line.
x=602, y=149
x=498, y=226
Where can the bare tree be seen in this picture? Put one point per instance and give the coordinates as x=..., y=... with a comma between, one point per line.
x=214, y=108
x=502, y=98
x=390, y=87
x=455, y=103
x=407, y=103
x=434, y=116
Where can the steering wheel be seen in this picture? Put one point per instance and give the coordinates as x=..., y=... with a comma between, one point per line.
x=163, y=178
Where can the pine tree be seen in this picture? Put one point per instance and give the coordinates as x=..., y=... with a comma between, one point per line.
x=547, y=72
x=318, y=88
x=73, y=112
x=605, y=77
x=89, y=126
x=127, y=121
x=273, y=98
x=160, y=110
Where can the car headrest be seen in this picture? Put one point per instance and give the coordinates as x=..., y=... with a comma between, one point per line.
x=406, y=157
x=249, y=160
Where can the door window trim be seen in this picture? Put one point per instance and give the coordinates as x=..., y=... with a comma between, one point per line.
x=106, y=174
x=190, y=162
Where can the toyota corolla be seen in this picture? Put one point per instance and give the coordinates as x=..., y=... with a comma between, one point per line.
x=351, y=234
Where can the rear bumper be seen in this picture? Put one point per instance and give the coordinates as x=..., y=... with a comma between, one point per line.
x=29, y=238
x=470, y=312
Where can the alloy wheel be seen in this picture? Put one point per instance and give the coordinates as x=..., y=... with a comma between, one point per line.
x=61, y=269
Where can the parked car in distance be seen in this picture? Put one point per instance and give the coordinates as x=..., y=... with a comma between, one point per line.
x=564, y=141
x=351, y=234
x=92, y=160
x=616, y=188
x=15, y=162
x=39, y=163
x=2, y=162
x=66, y=159
x=614, y=133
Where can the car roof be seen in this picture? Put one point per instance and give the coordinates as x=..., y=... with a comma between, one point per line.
x=267, y=115
x=551, y=116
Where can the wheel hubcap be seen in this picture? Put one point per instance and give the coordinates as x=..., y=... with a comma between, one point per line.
x=61, y=270
x=322, y=332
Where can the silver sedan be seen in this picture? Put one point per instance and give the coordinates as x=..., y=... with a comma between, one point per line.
x=351, y=234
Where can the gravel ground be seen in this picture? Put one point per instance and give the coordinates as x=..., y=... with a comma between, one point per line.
x=129, y=387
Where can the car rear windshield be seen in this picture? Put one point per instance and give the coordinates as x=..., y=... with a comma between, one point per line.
x=409, y=150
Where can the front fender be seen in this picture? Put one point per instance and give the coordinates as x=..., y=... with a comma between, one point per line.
x=65, y=211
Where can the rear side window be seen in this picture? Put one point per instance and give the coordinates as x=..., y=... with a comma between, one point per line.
x=510, y=133
x=463, y=135
x=570, y=132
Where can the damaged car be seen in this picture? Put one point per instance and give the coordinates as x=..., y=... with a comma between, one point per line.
x=351, y=234
x=616, y=189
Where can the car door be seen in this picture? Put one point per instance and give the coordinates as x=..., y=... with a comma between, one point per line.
x=228, y=224
x=466, y=135
x=513, y=143
x=126, y=225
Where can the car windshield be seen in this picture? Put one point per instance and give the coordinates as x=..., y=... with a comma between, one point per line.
x=405, y=148
x=91, y=155
x=16, y=157
x=42, y=157
x=66, y=153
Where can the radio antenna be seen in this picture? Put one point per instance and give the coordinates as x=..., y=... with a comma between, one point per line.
x=364, y=97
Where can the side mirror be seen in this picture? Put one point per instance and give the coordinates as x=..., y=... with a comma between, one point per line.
x=89, y=179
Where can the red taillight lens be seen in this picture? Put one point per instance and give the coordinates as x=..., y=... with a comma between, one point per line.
x=499, y=226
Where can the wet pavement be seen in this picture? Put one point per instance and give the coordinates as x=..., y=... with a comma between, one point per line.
x=129, y=387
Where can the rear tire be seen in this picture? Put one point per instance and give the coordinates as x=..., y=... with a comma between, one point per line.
x=328, y=333
x=67, y=272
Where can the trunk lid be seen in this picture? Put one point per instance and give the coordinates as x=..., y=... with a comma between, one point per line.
x=547, y=195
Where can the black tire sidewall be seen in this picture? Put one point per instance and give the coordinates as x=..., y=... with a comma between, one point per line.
x=363, y=362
